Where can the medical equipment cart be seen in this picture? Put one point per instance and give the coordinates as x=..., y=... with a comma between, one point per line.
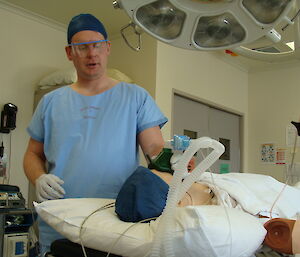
x=15, y=221
x=14, y=232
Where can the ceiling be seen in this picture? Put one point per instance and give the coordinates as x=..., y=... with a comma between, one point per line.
x=61, y=11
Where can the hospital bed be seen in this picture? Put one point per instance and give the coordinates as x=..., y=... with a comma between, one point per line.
x=212, y=230
x=197, y=229
x=66, y=248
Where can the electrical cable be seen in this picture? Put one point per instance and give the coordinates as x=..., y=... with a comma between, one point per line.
x=117, y=240
x=192, y=202
x=33, y=232
x=107, y=206
x=102, y=208
x=6, y=176
x=292, y=20
x=222, y=203
x=1, y=156
x=1, y=149
x=9, y=160
x=288, y=176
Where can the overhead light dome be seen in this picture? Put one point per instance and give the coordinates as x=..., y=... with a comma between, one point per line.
x=266, y=11
x=161, y=18
x=207, y=24
x=218, y=31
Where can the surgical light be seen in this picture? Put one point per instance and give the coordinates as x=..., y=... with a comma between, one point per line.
x=207, y=24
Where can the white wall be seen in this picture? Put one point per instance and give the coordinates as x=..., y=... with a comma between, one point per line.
x=140, y=66
x=29, y=50
x=202, y=76
x=273, y=104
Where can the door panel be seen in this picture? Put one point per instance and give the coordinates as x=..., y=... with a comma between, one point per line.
x=195, y=119
x=224, y=126
x=190, y=115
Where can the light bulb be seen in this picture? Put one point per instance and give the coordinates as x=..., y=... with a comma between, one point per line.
x=265, y=11
x=161, y=18
x=218, y=31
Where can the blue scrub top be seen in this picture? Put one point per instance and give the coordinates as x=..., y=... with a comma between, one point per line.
x=90, y=142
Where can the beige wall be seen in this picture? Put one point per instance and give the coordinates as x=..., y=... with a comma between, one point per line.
x=140, y=66
x=204, y=77
x=273, y=104
x=29, y=50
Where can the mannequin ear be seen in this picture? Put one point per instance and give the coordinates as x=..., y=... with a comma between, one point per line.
x=283, y=235
x=191, y=164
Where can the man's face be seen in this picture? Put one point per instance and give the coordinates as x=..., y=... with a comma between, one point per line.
x=90, y=60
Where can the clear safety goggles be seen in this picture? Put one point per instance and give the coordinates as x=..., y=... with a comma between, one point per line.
x=82, y=49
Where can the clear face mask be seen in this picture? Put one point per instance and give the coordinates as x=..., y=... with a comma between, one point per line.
x=82, y=49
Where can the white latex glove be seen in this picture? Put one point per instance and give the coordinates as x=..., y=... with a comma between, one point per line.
x=175, y=158
x=48, y=187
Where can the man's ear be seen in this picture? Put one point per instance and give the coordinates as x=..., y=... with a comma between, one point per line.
x=68, y=50
x=108, y=47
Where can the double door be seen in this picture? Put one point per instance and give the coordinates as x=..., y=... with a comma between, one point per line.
x=196, y=119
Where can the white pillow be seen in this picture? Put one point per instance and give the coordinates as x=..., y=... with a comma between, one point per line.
x=61, y=77
x=118, y=75
x=200, y=230
x=68, y=76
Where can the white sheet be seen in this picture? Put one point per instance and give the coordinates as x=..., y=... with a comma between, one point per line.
x=256, y=193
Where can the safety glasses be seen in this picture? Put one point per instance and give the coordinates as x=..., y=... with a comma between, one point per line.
x=82, y=49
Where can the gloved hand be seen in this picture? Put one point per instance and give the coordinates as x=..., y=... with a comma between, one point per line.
x=48, y=187
x=176, y=157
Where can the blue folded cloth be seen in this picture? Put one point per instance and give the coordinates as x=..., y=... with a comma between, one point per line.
x=142, y=196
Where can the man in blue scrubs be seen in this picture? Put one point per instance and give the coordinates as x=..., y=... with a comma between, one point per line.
x=88, y=133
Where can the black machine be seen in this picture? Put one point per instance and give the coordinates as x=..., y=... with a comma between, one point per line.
x=66, y=248
x=8, y=118
x=11, y=197
x=15, y=221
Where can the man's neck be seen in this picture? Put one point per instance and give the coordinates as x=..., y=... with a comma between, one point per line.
x=93, y=86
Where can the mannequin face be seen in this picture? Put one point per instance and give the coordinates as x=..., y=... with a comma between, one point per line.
x=198, y=194
x=192, y=164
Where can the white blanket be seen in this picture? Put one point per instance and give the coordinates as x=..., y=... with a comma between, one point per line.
x=257, y=193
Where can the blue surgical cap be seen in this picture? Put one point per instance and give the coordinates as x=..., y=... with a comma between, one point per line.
x=142, y=196
x=82, y=22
